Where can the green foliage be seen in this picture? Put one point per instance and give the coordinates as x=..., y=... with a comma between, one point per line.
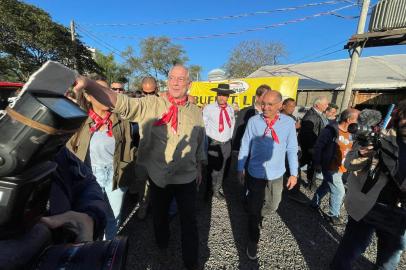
x=194, y=71
x=249, y=56
x=112, y=71
x=157, y=56
x=29, y=37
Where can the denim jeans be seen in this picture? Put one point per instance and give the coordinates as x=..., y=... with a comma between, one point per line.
x=332, y=181
x=104, y=176
x=356, y=239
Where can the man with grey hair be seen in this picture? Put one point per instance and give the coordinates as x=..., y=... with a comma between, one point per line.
x=329, y=155
x=268, y=138
x=312, y=124
x=331, y=112
x=171, y=149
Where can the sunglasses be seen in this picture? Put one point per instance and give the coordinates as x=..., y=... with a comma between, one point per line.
x=117, y=89
x=148, y=93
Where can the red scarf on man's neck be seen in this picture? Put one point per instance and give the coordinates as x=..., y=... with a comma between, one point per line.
x=269, y=127
x=99, y=122
x=223, y=110
x=172, y=114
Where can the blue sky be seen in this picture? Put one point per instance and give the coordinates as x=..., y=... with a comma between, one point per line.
x=304, y=40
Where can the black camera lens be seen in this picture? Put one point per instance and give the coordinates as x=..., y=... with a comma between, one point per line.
x=98, y=255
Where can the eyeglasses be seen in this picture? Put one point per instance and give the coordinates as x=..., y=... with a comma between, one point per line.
x=117, y=89
x=269, y=104
x=149, y=93
x=180, y=79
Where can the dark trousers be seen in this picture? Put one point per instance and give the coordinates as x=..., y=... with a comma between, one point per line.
x=307, y=159
x=185, y=196
x=264, y=197
x=218, y=157
x=358, y=236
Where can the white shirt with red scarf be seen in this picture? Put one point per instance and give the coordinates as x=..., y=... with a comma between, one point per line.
x=211, y=118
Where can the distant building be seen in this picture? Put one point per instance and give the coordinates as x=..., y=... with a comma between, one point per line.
x=217, y=75
x=380, y=80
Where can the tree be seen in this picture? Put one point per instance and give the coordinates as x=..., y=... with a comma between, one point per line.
x=248, y=56
x=113, y=71
x=157, y=56
x=194, y=71
x=29, y=37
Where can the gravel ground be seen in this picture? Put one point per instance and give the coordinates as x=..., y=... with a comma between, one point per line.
x=296, y=237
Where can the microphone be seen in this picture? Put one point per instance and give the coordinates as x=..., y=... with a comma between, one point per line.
x=369, y=118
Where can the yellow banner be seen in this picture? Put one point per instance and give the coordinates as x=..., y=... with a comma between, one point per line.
x=245, y=89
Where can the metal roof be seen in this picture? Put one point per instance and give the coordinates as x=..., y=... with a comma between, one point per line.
x=374, y=73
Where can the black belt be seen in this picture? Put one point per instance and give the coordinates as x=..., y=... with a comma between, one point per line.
x=213, y=141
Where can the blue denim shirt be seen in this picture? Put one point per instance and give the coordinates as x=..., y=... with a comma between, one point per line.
x=267, y=158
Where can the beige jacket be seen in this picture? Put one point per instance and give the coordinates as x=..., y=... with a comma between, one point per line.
x=124, y=153
x=169, y=158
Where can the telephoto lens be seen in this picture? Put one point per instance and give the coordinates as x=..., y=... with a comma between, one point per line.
x=98, y=255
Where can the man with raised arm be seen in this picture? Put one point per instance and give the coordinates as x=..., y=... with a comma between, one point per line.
x=171, y=149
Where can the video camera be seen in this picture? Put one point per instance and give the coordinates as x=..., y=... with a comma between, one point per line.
x=367, y=131
x=33, y=130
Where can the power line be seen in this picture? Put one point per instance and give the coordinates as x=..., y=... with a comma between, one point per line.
x=90, y=34
x=307, y=59
x=322, y=50
x=226, y=17
x=267, y=26
x=100, y=42
x=346, y=17
x=261, y=28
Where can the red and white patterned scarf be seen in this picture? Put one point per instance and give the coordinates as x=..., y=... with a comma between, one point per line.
x=99, y=122
x=269, y=127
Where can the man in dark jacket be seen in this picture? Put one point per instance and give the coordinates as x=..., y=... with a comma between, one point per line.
x=76, y=203
x=329, y=154
x=76, y=199
x=312, y=124
x=376, y=209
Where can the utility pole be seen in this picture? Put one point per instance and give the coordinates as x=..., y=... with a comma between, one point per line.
x=72, y=30
x=356, y=53
x=73, y=38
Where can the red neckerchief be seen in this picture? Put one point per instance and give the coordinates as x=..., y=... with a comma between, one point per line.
x=99, y=122
x=223, y=110
x=172, y=114
x=269, y=127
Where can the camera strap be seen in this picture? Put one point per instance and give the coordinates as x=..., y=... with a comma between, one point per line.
x=125, y=222
x=36, y=125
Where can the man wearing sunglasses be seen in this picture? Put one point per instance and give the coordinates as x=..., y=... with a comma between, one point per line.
x=117, y=87
x=149, y=86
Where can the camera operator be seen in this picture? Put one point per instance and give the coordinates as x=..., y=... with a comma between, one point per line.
x=376, y=208
x=76, y=205
x=76, y=199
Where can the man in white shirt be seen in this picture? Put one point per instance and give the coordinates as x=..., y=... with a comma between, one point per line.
x=219, y=121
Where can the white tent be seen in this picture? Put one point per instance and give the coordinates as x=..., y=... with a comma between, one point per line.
x=375, y=72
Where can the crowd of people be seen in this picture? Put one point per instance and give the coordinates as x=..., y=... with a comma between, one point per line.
x=158, y=144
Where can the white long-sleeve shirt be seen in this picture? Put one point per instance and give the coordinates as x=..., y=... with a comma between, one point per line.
x=211, y=116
